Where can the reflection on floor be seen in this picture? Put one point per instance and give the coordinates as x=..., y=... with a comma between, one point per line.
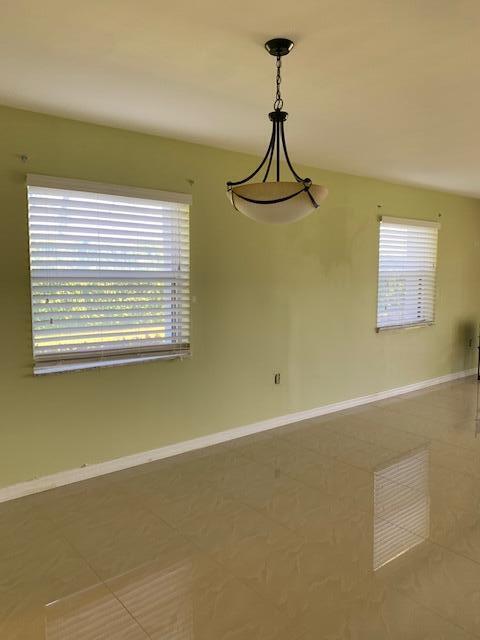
x=402, y=506
x=154, y=598
x=364, y=524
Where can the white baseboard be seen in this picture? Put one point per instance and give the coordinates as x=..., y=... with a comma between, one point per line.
x=102, y=468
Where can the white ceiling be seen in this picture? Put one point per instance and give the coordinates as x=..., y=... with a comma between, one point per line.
x=385, y=88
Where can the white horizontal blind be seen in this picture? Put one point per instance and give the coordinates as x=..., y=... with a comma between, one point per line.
x=109, y=275
x=406, y=272
x=402, y=507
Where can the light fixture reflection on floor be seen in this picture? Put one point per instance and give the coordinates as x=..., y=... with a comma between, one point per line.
x=278, y=201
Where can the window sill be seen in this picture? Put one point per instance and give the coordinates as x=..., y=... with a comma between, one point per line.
x=415, y=325
x=41, y=369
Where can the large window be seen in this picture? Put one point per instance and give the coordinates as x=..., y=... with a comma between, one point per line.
x=109, y=274
x=406, y=272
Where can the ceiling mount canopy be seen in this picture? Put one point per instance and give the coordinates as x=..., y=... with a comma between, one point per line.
x=276, y=201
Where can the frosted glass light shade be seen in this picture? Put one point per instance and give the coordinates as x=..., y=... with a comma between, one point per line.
x=280, y=212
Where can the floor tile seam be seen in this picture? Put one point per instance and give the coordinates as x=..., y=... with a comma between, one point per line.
x=101, y=581
x=469, y=476
x=230, y=571
x=284, y=442
x=462, y=460
x=455, y=552
x=101, y=522
x=442, y=400
x=272, y=464
x=431, y=542
x=337, y=459
x=406, y=399
x=174, y=529
x=79, y=487
x=302, y=447
x=448, y=407
x=178, y=501
x=238, y=454
x=442, y=421
x=37, y=509
x=182, y=534
x=54, y=529
x=296, y=531
x=461, y=471
x=10, y=556
x=226, y=471
x=168, y=461
x=419, y=394
x=401, y=431
x=377, y=444
x=248, y=459
x=231, y=496
x=157, y=538
x=244, y=462
x=448, y=444
x=350, y=437
x=445, y=394
x=126, y=609
x=178, y=525
x=105, y=583
x=265, y=598
x=259, y=482
x=336, y=495
x=290, y=476
x=126, y=496
x=241, y=502
x=430, y=438
x=435, y=612
x=267, y=515
x=48, y=532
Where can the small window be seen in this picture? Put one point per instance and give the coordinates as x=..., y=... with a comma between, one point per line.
x=109, y=271
x=406, y=273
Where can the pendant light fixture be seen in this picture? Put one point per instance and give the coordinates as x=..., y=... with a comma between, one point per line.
x=276, y=201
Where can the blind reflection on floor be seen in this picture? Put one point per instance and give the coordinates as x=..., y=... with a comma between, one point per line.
x=402, y=506
x=150, y=601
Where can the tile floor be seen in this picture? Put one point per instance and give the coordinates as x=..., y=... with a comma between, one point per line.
x=359, y=525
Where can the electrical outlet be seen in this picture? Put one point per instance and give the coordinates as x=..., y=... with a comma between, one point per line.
x=276, y=378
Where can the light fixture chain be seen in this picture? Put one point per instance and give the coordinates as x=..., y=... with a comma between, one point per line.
x=278, y=104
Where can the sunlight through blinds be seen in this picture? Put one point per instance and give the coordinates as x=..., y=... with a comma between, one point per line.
x=406, y=272
x=109, y=274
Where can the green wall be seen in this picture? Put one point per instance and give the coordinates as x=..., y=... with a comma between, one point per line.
x=299, y=299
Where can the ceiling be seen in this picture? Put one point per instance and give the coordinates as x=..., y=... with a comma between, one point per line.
x=384, y=88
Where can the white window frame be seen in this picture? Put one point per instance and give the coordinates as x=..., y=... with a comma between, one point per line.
x=54, y=365
x=431, y=272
